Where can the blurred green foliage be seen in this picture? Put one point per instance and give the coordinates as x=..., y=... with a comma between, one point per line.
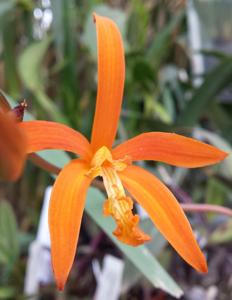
x=48, y=56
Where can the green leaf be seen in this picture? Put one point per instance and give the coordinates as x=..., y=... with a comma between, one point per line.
x=7, y=292
x=9, y=243
x=158, y=109
x=220, y=118
x=216, y=192
x=58, y=26
x=29, y=67
x=158, y=242
x=138, y=25
x=222, y=234
x=131, y=275
x=214, y=83
x=30, y=64
x=6, y=6
x=153, y=109
x=214, y=53
x=8, y=27
x=141, y=257
x=160, y=48
x=64, y=27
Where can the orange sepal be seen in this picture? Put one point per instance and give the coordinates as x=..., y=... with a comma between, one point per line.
x=42, y=135
x=65, y=214
x=166, y=213
x=169, y=148
x=111, y=75
x=12, y=148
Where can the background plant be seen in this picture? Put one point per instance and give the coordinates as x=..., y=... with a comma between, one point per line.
x=47, y=55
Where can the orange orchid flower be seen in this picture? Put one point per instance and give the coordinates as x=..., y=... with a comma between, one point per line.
x=12, y=143
x=114, y=165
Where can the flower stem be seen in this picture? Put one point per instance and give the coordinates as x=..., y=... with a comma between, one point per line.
x=207, y=208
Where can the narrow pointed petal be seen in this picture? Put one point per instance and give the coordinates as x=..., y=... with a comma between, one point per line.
x=42, y=135
x=165, y=212
x=111, y=74
x=12, y=148
x=65, y=214
x=169, y=148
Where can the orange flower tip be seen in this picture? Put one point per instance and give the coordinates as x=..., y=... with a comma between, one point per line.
x=60, y=287
x=217, y=156
x=225, y=154
x=60, y=279
x=203, y=267
x=60, y=284
x=201, y=264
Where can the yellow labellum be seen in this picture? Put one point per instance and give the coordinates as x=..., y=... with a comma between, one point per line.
x=118, y=205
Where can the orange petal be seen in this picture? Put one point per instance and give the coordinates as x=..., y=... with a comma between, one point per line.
x=65, y=214
x=43, y=135
x=165, y=212
x=12, y=148
x=111, y=75
x=170, y=148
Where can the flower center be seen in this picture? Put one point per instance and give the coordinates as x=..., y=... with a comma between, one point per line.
x=118, y=205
